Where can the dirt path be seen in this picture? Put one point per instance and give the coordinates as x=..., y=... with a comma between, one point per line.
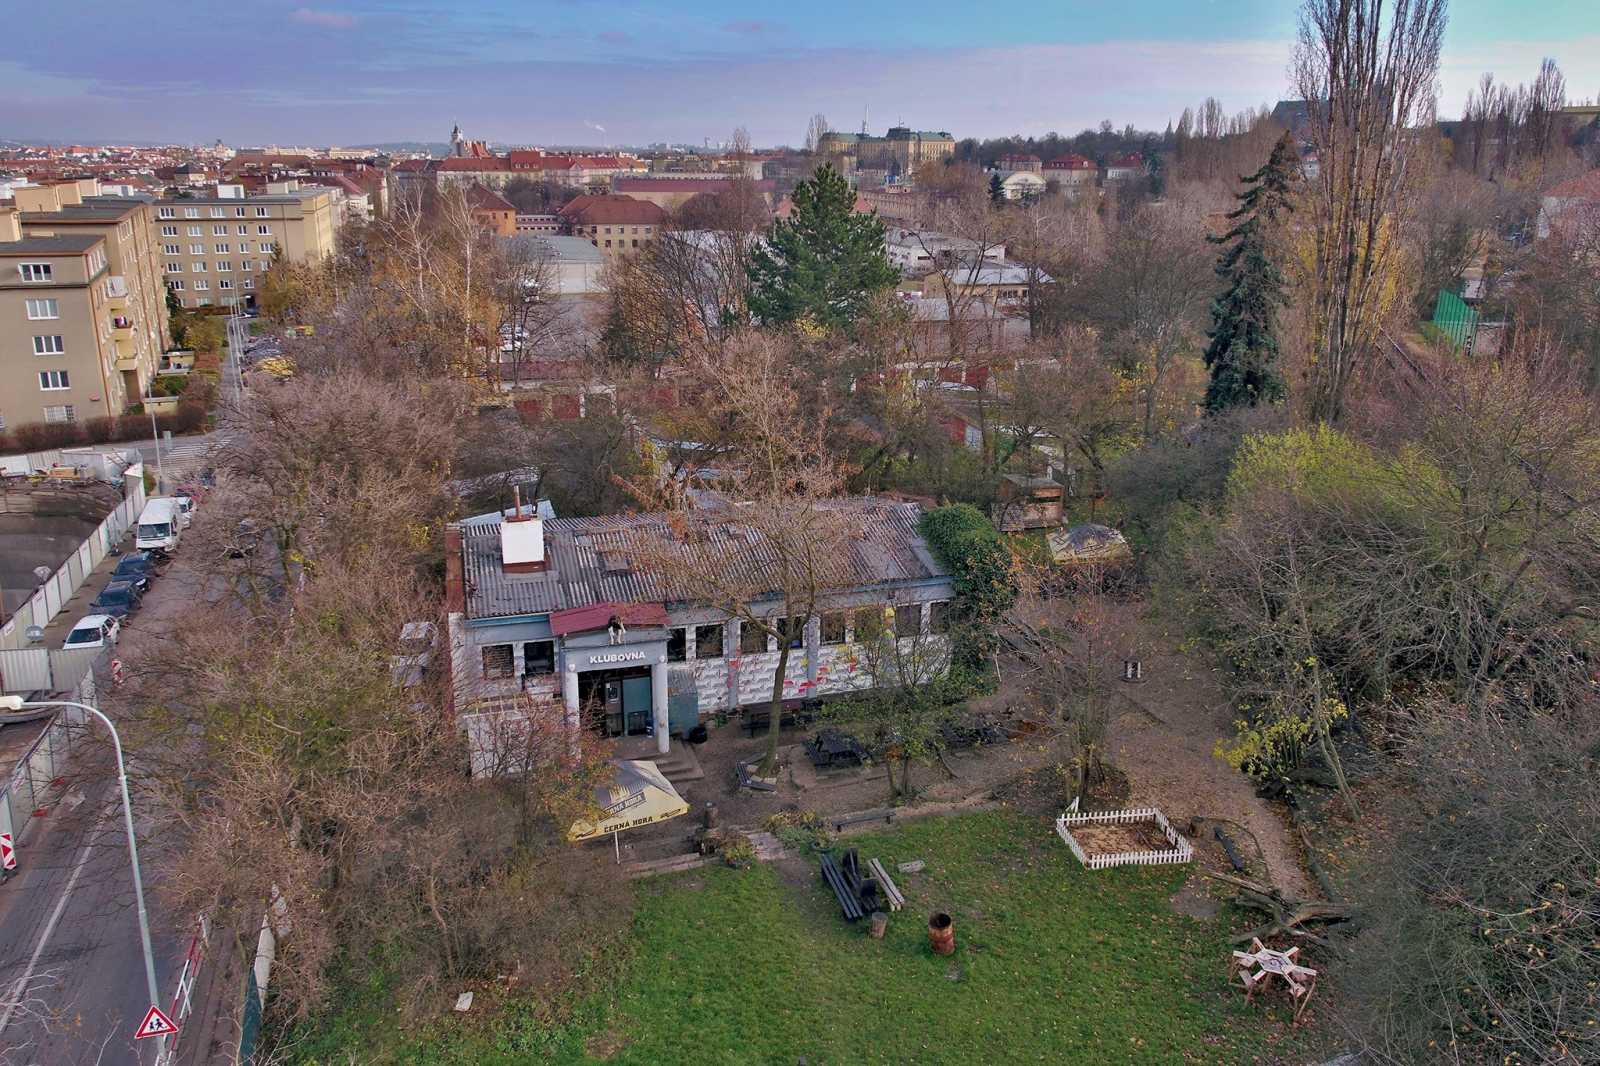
x=1165, y=741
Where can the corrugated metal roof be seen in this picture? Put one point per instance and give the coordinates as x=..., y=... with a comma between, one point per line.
x=598, y=560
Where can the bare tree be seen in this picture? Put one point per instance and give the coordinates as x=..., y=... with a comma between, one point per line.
x=1366, y=69
x=816, y=129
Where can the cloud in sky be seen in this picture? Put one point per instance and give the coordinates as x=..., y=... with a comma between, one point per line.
x=331, y=20
x=526, y=72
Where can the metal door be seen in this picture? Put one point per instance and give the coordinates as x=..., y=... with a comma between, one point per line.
x=636, y=704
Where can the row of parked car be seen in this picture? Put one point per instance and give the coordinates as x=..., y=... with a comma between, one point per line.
x=161, y=526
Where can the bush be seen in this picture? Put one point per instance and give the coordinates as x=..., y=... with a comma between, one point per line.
x=981, y=564
x=42, y=436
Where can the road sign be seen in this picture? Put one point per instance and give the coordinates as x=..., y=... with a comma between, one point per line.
x=8, y=853
x=155, y=1024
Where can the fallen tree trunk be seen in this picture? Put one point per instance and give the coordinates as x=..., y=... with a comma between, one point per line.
x=1287, y=915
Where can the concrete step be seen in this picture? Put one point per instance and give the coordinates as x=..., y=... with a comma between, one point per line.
x=679, y=764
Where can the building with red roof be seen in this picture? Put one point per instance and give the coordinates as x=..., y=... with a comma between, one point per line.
x=613, y=224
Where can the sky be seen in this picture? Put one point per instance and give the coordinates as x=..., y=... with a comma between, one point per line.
x=634, y=72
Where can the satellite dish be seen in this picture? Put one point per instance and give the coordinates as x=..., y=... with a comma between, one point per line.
x=34, y=634
x=42, y=573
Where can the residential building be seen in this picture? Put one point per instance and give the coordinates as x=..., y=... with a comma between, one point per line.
x=1021, y=185
x=214, y=247
x=1011, y=163
x=670, y=192
x=901, y=150
x=614, y=224
x=1071, y=173
x=1572, y=208
x=561, y=620
x=1125, y=167
x=915, y=252
x=492, y=211
x=539, y=225
x=113, y=316
x=1002, y=285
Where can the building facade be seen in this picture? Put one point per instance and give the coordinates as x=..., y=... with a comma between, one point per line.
x=901, y=149
x=617, y=225
x=85, y=315
x=214, y=247
x=550, y=618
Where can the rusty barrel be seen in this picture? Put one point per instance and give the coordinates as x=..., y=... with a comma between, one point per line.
x=942, y=934
x=880, y=924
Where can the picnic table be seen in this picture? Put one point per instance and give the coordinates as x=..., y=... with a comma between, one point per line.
x=1258, y=966
x=832, y=747
x=797, y=714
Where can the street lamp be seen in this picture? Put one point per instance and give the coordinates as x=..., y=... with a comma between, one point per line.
x=16, y=703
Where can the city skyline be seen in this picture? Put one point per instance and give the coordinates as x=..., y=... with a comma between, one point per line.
x=576, y=72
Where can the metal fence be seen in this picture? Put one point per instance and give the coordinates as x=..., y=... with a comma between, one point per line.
x=45, y=669
x=46, y=602
x=22, y=792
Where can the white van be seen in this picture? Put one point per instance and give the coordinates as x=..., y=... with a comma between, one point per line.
x=160, y=525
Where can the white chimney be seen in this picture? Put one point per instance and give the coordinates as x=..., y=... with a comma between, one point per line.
x=230, y=192
x=521, y=541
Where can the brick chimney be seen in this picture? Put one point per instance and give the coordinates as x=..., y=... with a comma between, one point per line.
x=522, y=541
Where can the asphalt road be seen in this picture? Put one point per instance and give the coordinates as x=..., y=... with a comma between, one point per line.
x=72, y=979
x=182, y=457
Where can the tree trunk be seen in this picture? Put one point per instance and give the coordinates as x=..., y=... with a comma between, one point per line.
x=769, y=762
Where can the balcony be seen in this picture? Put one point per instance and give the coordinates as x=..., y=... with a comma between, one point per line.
x=126, y=360
x=122, y=329
x=117, y=292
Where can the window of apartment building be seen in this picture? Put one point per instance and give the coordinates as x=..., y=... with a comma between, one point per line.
x=60, y=413
x=197, y=231
x=244, y=228
x=174, y=268
x=708, y=642
x=224, y=267
x=36, y=272
x=238, y=212
x=172, y=249
x=222, y=249
x=263, y=265
x=265, y=231
x=636, y=230
x=247, y=265
x=939, y=616
x=97, y=261
x=499, y=661
x=261, y=212
x=636, y=242
x=752, y=639
x=54, y=380
x=197, y=249
x=176, y=285
x=218, y=212
x=677, y=645
x=908, y=620
x=49, y=344
x=225, y=283
x=191, y=212
x=200, y=265
x=167, y=212
x=2, y=423
x=125, y=231
x=201, y=284
x=538, y=657
x=267, y=248
x=204, y=302
x=249, y=283
x=833, y=627
x=38, y=309
x=220, y=230
x=169, y=231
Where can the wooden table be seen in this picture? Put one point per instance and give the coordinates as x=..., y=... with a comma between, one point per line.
x=1258, y=966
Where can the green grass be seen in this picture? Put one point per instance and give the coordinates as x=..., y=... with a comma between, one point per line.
x=1053, y=964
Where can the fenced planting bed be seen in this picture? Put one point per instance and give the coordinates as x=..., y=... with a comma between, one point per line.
x=1139, y=836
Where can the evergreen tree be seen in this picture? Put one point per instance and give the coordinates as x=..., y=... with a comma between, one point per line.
x=997, y=189
x=1243, y=353
x=823, y=263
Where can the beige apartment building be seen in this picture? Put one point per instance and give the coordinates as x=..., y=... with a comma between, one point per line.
x=59, y=305
x=83, y=314
x=213, y=248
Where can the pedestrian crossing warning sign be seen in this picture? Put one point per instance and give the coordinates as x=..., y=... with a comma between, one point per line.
x=155, y=1024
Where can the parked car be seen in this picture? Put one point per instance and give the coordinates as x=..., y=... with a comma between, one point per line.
x=137, y=567
x=118, y=599
x=94, y=631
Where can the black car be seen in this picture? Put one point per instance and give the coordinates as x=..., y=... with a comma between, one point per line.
x=137, y=567
x=118, y=599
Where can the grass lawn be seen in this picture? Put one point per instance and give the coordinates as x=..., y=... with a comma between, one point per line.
x=1053, y=964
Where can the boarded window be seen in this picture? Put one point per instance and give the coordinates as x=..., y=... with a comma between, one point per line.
x=752, y=639
x=833, y=628
x=498, y=661
x=708, y=642
x=908, y=620
x=539, y=657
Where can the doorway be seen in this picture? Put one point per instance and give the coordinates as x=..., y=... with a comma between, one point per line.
x=617, y=702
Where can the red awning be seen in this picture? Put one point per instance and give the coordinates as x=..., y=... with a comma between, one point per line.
x=599, y=615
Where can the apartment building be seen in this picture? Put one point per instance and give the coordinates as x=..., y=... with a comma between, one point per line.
x=59, y=308
x=617, y=225
x=107, y=327
x=214, y=247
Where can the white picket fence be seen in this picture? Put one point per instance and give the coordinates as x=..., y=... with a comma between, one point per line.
x=1183, y=850
x=47, y=600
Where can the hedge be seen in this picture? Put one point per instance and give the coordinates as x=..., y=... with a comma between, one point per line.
x=981, y=567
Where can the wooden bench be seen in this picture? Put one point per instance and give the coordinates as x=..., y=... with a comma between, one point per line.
x=796, y=715
x=884, y=814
